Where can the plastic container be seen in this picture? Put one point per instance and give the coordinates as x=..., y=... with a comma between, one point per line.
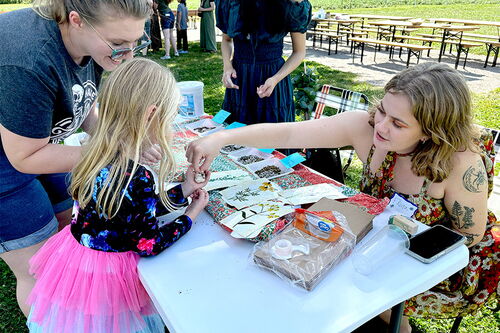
x=191, y=104
x=274, y=163
x=204, y=127
x=378, y=250
x=258, y=155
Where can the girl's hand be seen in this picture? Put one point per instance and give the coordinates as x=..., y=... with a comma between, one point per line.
x=201, y=153
x=200, y=200
x=190, y=185
x=227, y=77
x=152, y=155
x=267, y=88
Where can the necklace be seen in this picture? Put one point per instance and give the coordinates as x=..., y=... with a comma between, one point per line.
x=406, y=154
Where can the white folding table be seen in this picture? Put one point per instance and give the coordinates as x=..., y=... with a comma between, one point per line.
x=206, y=282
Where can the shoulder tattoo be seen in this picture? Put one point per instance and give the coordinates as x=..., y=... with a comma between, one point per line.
x=462, y=216
x=474, y=177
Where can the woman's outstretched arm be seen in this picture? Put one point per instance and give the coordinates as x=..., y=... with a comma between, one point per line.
x=345, y=129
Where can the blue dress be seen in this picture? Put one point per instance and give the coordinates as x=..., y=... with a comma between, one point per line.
x=258, y=56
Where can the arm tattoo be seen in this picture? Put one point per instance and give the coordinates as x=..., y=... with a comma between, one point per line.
x=462, y=217
x=470, y=237
x=473, y=178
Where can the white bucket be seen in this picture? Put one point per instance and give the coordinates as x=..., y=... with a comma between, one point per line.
x=191, y=104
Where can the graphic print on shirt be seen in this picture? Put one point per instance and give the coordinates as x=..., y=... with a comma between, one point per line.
x=83, y=98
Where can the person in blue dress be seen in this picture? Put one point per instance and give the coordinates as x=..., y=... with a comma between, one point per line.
x=256, y=77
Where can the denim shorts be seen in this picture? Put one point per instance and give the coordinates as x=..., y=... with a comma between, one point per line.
x=27, y=211
x=167, y=20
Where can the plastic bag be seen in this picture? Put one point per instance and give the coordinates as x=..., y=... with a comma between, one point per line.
x=307, y=249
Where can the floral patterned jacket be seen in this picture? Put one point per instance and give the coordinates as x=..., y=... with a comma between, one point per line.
x=135, y=227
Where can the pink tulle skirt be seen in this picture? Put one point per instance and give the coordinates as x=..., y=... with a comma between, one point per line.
x=83, y=290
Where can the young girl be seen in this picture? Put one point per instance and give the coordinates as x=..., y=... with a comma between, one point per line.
x=86, y=274
x=167, y=20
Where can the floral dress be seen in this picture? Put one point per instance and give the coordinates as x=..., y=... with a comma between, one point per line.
x=464, y=292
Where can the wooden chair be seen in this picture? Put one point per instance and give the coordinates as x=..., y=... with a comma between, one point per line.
x=341, y=100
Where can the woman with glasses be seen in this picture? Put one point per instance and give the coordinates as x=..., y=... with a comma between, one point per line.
x=48, y=89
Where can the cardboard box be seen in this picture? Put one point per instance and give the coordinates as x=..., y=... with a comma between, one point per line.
x=359, y=221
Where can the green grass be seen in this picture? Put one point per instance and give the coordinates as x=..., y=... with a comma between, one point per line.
x=208, y=69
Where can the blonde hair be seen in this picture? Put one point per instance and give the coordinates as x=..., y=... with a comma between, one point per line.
x=93, y=11
x=124, y=129
x=441, y=103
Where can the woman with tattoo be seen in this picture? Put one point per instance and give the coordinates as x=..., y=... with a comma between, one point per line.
x=420, y=142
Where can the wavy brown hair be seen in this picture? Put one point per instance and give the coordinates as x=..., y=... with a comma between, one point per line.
x=441, y=103
x=124, y=130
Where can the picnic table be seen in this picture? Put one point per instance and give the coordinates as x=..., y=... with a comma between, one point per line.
x=390, y=27
x=381, y=17
x=466, y=22
x=344, y=26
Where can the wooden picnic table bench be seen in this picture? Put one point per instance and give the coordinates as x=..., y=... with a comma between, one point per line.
x=413, y=50
x=463, y=46
x=329, y=34
x=495, y=37
x=426, y=41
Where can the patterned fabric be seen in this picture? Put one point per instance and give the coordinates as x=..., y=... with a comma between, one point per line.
x=135, y=226
x=467, y=290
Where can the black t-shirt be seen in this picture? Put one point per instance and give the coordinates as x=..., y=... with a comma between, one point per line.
x=43, y=92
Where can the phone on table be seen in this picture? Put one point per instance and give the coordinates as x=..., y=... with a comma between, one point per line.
x=434, y=242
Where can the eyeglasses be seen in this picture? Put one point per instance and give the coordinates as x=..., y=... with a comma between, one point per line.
x=118, y=53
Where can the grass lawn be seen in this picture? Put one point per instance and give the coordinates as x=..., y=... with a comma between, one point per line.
x=208, y=67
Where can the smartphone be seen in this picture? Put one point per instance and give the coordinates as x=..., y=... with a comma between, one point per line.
x=434, y=242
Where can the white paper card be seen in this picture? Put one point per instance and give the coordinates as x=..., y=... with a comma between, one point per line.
x=401, y=206
x=250, y=193
x=227, y=179
x=312, y=193
x=251, y=220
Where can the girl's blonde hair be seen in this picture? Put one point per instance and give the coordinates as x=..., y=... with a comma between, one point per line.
x=124, y=130
x=441, y=103
x=93, y=11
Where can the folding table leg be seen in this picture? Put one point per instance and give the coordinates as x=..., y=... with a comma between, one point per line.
x=396, y=315
x=466, y=51
x=496, y=51
x=459, y=50
x=362, y=51
x=487, y=54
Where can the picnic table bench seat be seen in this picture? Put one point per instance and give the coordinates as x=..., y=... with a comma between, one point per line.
x=468, y=34
x=413, y=50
